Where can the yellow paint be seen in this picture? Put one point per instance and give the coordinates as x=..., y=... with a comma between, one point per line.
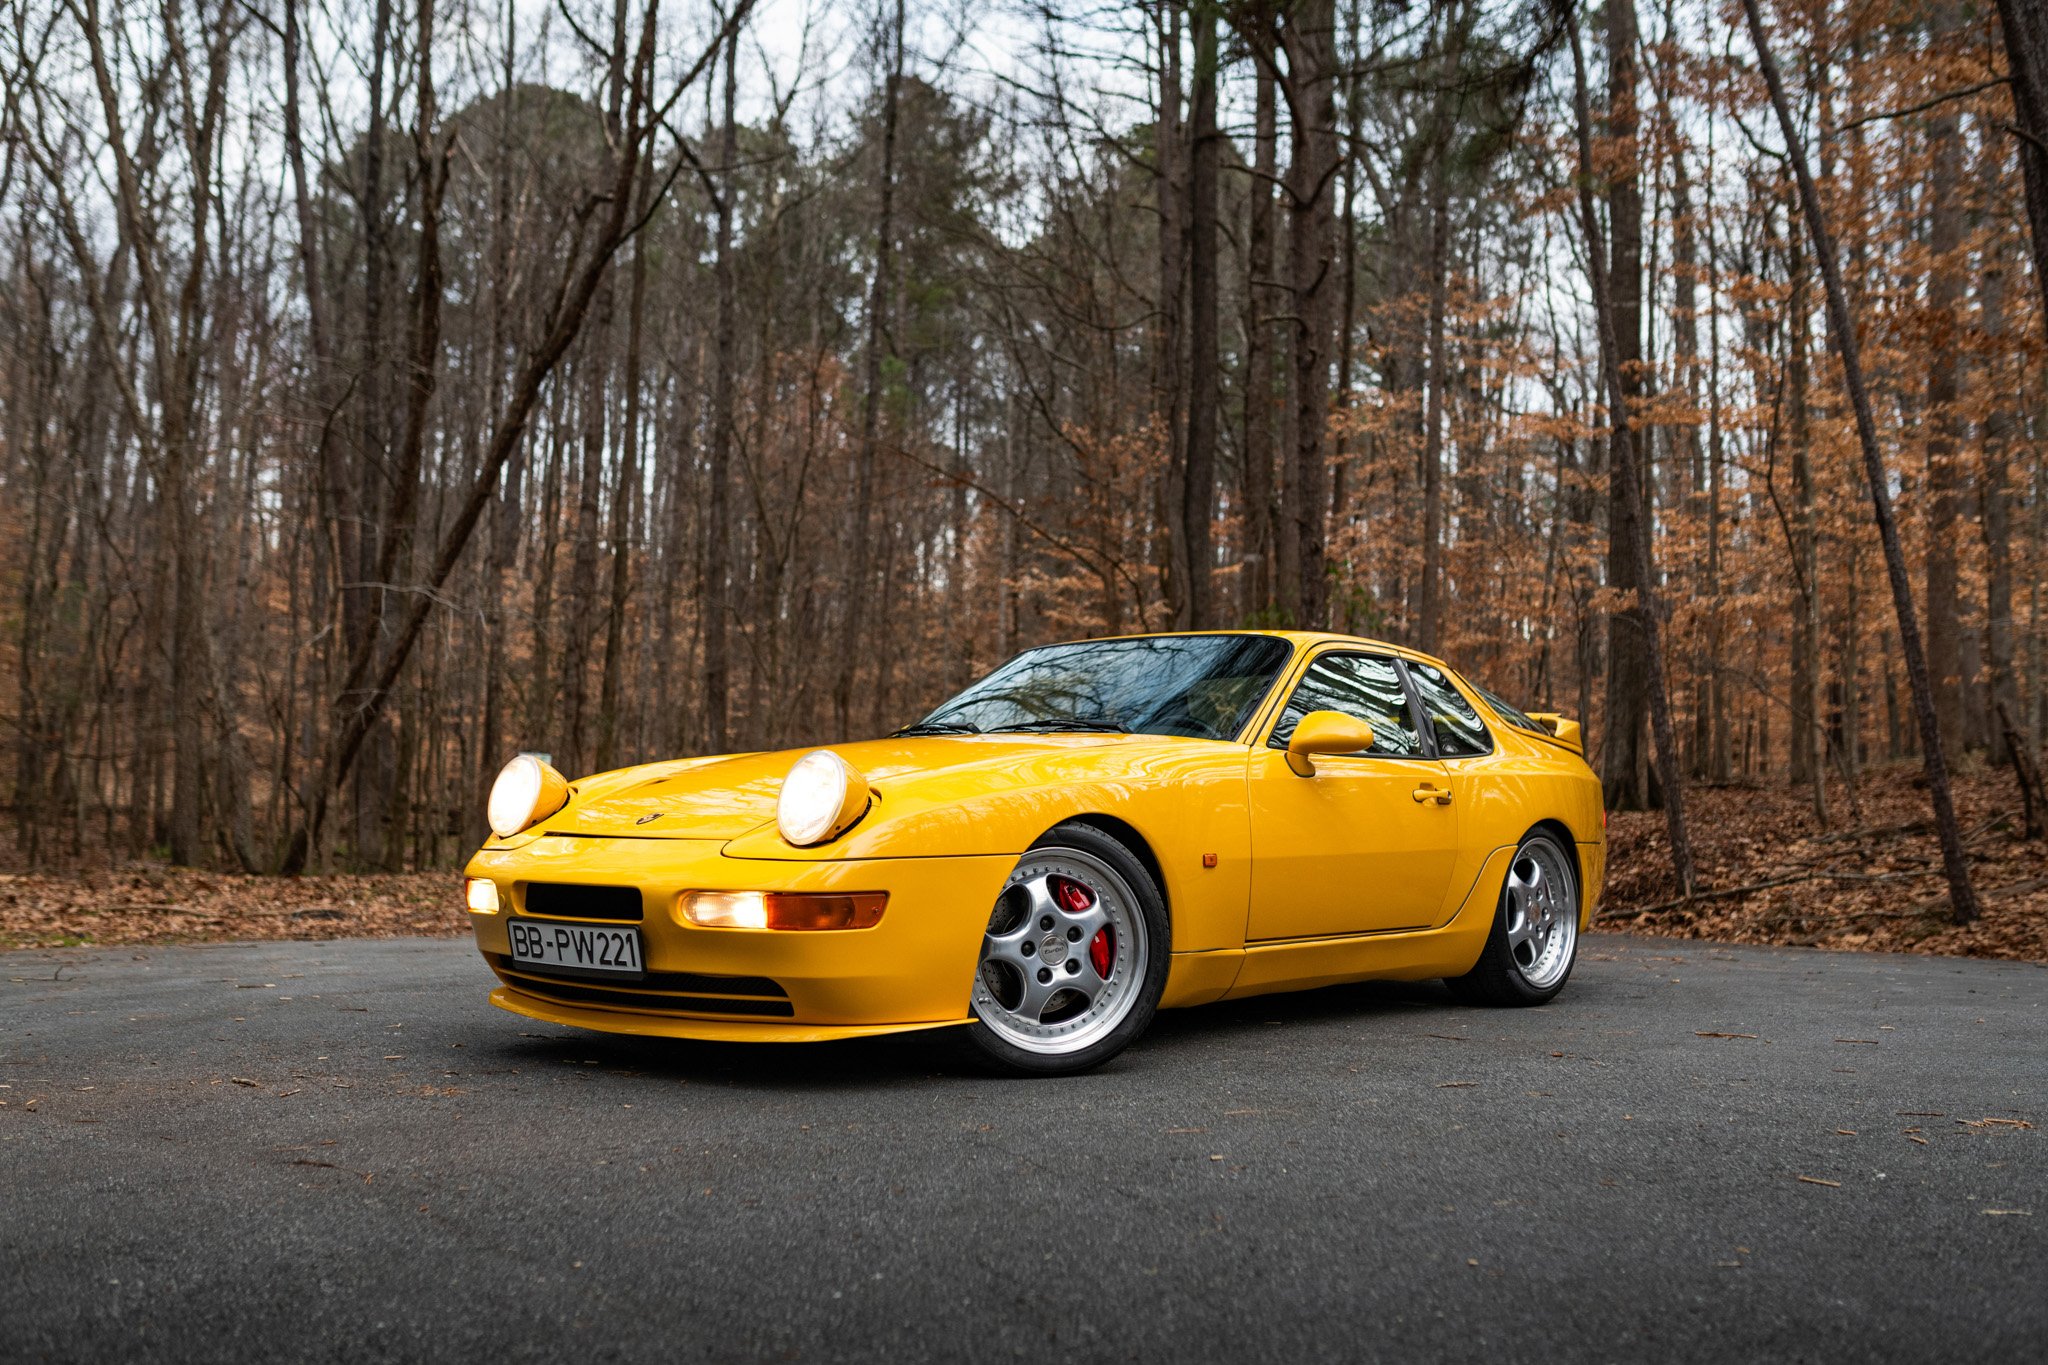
x=1348, y=851
x=1371, y=867
x=1325, y=732
x=1564, y=729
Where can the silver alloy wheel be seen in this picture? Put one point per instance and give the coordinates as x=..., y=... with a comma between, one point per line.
x=1065, y=954
x=1542, y=909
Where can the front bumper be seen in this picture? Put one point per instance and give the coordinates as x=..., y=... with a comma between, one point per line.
x=915, y=969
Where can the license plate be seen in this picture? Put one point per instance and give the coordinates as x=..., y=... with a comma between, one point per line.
x=575, y=947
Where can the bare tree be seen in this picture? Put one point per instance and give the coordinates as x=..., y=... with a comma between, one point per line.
x=1645, y=610
x=1962, y=898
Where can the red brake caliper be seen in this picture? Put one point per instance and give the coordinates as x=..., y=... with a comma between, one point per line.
x=1075, y=898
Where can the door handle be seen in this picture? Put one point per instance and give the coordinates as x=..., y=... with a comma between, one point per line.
x=1426, y=792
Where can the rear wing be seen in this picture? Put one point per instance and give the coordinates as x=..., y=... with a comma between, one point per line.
x=1562, y=729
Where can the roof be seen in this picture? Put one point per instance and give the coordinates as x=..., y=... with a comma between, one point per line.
x=1294, y=637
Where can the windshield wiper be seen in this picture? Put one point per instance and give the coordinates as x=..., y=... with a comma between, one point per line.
x=937, y=727
x=1053, y=727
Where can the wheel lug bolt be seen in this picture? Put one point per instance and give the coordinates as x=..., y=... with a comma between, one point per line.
x=1073, y=935
x=1027, y=948
x=1044, y=975
x=1045, y=922
x=1073, y=966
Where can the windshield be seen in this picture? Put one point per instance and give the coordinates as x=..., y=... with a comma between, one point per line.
x=1200, y=686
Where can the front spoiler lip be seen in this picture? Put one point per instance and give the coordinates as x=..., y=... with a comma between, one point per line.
x=668, y=1025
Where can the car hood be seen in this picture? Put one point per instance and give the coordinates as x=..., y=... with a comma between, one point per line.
x=724, y=798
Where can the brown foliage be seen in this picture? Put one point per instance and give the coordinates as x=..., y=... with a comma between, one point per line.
x=1873, y=881
x=152, y=904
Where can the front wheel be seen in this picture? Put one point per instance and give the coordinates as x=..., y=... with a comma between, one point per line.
x=1535, y=935
x=1074, y=960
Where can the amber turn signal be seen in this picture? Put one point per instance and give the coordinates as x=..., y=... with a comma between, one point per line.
x=784, y=909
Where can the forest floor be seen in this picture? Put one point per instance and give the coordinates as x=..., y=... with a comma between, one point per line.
x=1871, y=880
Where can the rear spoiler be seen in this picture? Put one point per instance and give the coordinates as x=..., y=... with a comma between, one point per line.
x=1562, y=729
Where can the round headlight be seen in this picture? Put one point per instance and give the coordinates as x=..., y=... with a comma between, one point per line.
x=526, y=790
x=821, y=798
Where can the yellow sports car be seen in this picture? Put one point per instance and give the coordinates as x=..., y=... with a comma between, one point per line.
x=1092, y=832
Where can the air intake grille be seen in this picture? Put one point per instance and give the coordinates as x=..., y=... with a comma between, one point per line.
x=660, y=992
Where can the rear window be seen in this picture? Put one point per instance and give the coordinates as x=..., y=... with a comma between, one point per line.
x=1510, y=714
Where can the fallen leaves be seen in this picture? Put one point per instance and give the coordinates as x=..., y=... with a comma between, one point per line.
x=1774, y=877
x=145, y=903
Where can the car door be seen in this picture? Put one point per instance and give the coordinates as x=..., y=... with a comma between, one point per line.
x=1367, y=843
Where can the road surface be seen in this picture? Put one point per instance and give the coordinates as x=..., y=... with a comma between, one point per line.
x=339, y=1151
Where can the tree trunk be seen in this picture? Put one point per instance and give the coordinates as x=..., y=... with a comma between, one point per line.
x=1259, y=396
x=1808, y=739
x=1962, y=898
x=625, y=502
x=2001, y=425
x=1308, y=35
x=1429, y=585
x=1944, y=424
x=854, y=646
x=1646, y=609
x=717, y=536
x=2025, y=24
x=1170, y=188
x=1198, y=486
x=1624, y=767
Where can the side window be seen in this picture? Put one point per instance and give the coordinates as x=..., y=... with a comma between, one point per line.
x=1458, y=730
x=1360, y=685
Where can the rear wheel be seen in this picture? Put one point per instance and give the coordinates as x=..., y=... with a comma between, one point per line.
x=1535, y=936
x=1074, y=960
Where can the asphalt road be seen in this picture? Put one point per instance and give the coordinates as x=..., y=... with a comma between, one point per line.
x=339, y=1151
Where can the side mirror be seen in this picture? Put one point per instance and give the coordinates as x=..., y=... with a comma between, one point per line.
x=1325, y=732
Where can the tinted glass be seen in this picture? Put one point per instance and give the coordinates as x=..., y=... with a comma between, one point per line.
x=1512, y=715
x=1201, y=686
x=1360, y=685
x=1456, y=726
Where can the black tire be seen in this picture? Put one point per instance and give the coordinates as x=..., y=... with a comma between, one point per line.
x=1502, y=976
x=987, y=1048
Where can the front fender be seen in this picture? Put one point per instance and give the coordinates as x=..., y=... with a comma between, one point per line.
x=1186, y=803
